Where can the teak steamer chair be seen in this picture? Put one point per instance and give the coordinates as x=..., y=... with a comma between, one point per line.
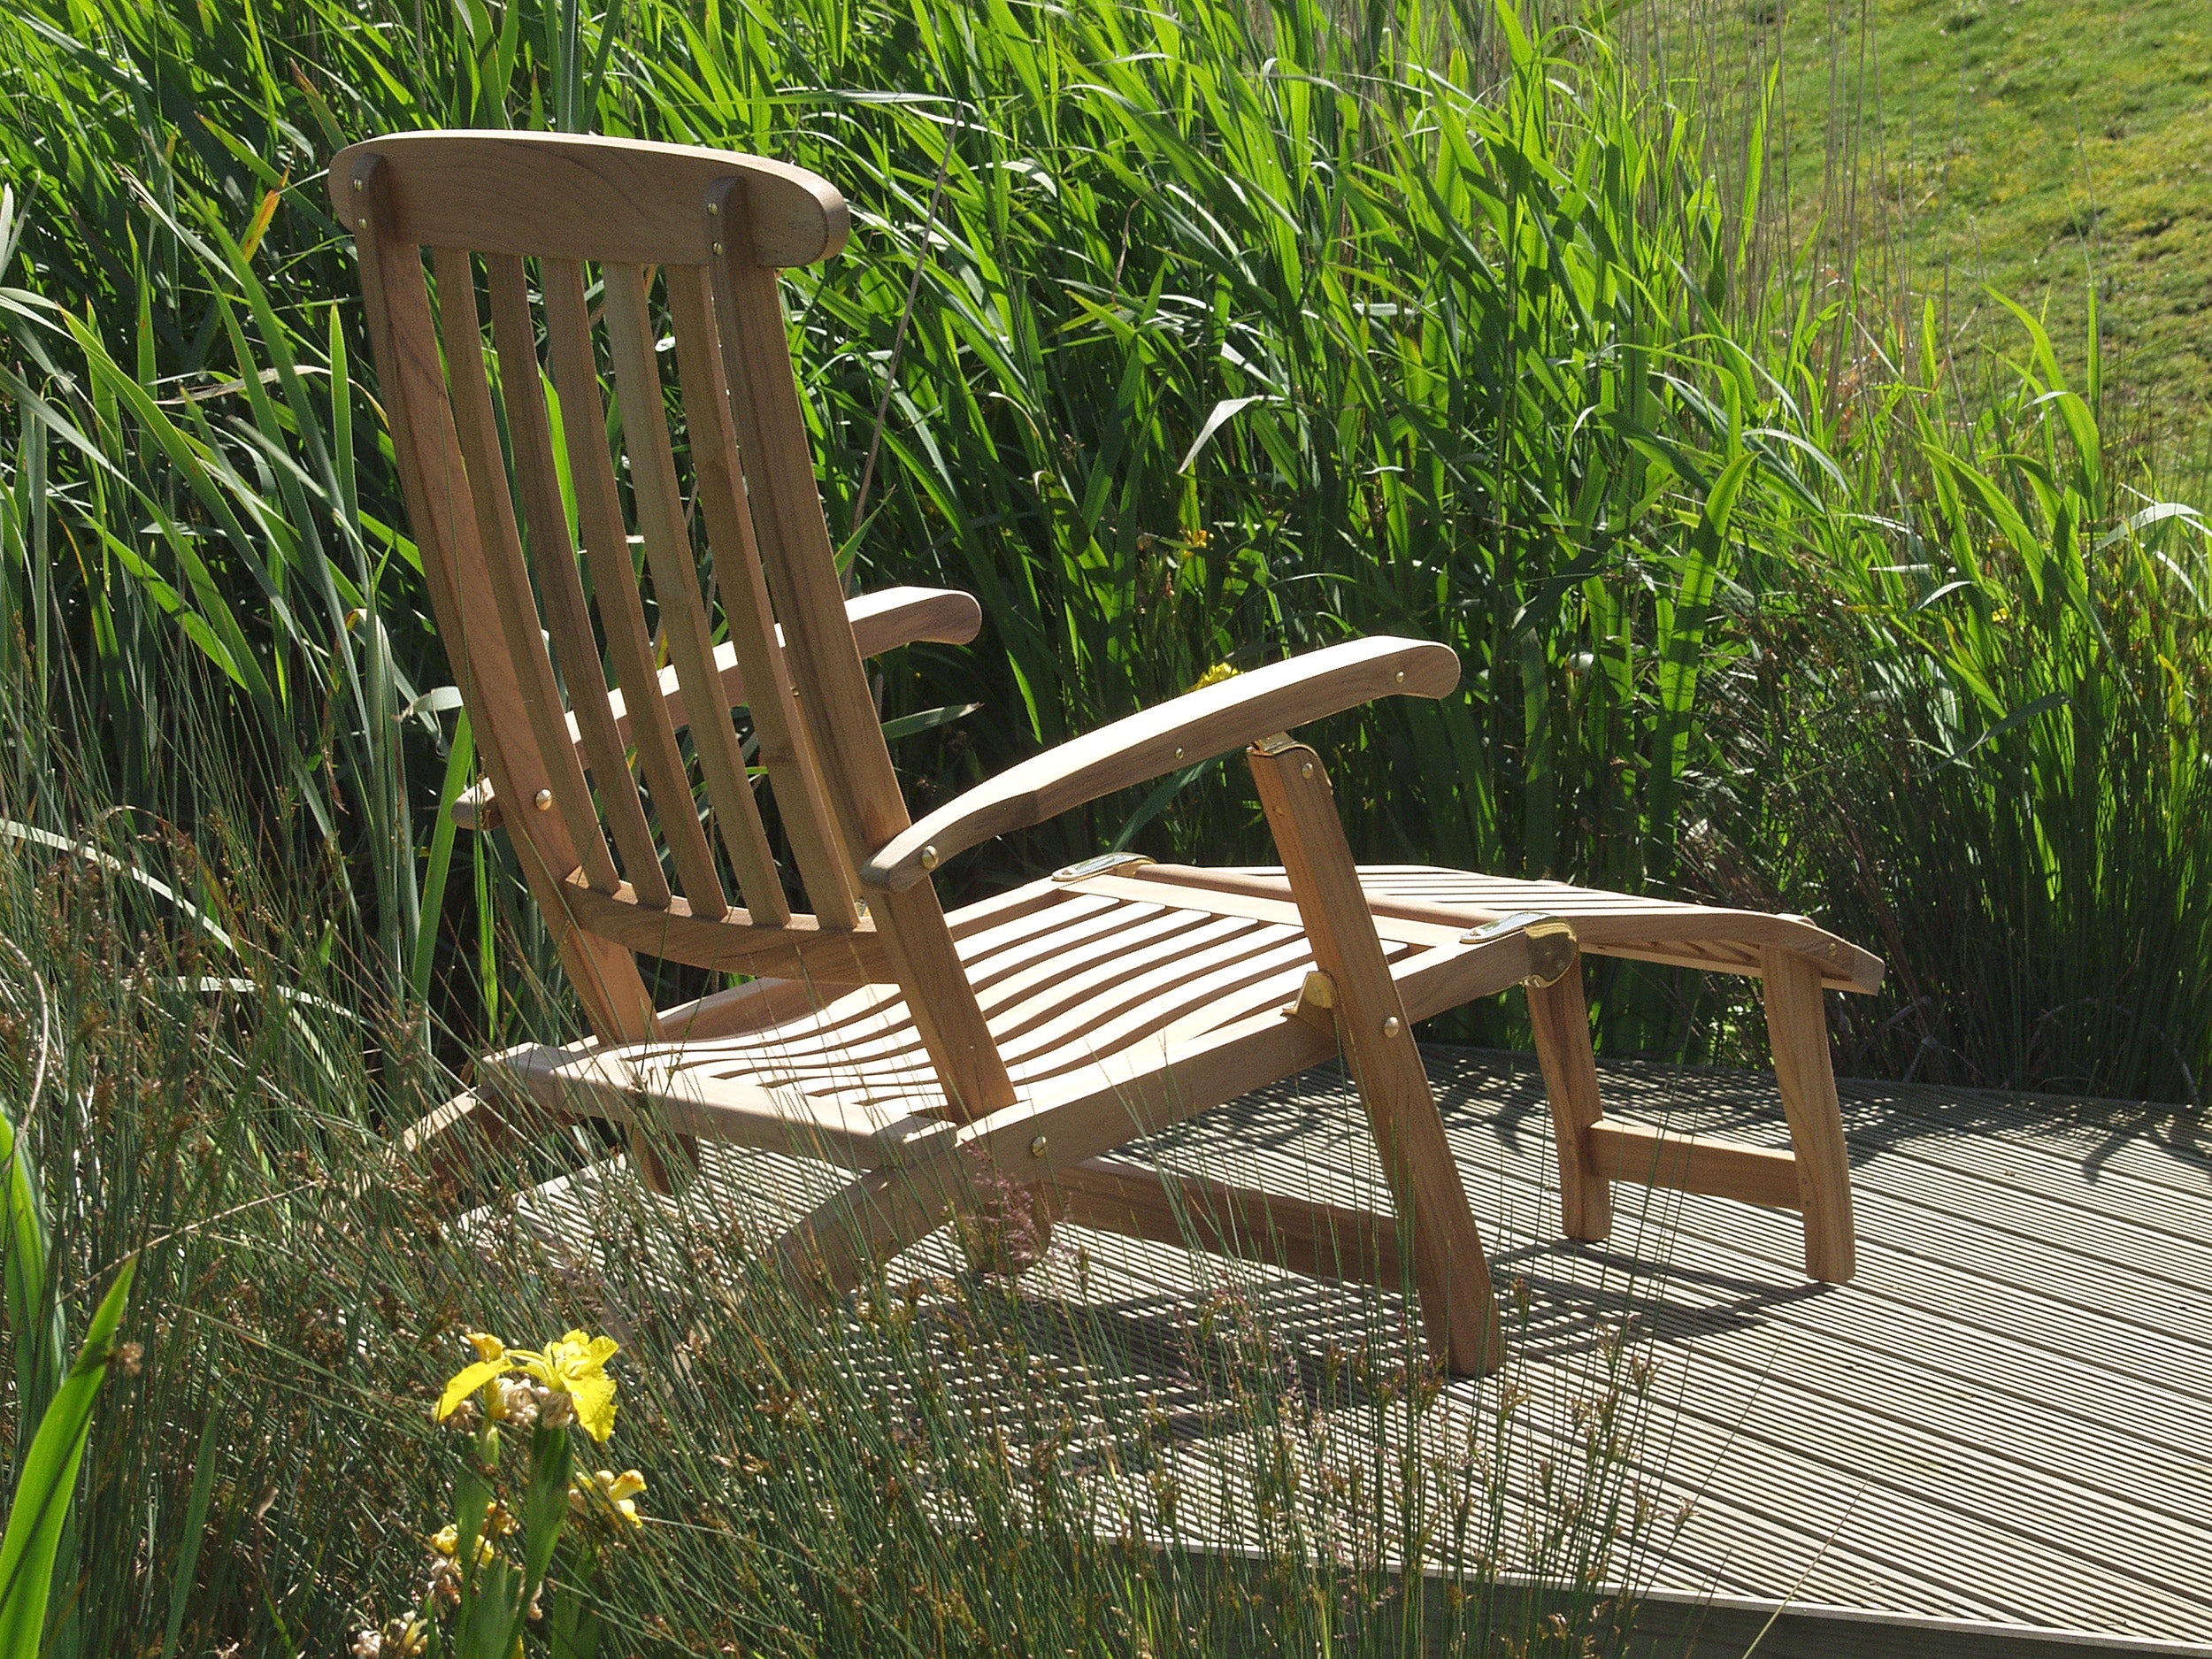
x=1018, y=1041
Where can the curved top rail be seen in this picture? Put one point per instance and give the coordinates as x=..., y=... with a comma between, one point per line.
x=565, y=196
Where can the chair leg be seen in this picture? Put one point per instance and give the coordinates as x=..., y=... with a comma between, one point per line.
x=1449, y=1269
x=836, y=1246
x=470, y=1134
x=1797, y=1023
x=1320, y=1241
x=661, y=1174
x=1561, y=1021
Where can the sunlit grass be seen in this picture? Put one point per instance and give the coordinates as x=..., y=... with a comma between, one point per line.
x=2046, y=148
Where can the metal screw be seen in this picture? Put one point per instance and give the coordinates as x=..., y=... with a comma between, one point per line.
x=1178, y=752
x=929, y=857
x=713, y=208
x=1391, y=1028
x=543, y=801
x=717, y=247
x=360, y=185
x=1399, y=676
x=1306, y=771
x=1037, y=1147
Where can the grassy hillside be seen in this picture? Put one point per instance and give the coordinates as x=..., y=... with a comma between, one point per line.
x=2033, y=145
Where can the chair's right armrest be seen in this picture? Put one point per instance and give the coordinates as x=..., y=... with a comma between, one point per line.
x=1196, y=727
x=880, y=621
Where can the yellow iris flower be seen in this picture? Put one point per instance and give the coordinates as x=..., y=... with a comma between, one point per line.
x=615, y=1496
x=446, y=1542
x=575, y=1365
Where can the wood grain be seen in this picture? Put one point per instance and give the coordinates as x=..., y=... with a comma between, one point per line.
x=1718, y=1168
x=541, y=754
x=1192, y=727
x=1321, y=1240
x=1705, y=937
x=403, y=340
x=685, y=631
x=882, y=621
x=565, y=197
x=1561, y=1020
x=786, y=752
x=606, y=539
x=801, y=566
x=552, y=551
x=1457, y=1305
x=1797, y=1028
x=796, y=948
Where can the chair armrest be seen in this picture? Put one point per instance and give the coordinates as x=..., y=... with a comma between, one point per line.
x=880, y=621
x=1197, y=725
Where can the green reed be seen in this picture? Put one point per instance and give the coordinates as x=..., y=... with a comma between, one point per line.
x=957, y=1464
x=1235, y=330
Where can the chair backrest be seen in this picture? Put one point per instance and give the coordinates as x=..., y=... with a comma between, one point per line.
x=640, y=255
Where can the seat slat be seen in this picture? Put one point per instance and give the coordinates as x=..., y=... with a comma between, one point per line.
x=796, y=948
x=553, y=556
x=1094, y=990
x=614, y=581
x=785, y=751
x=747, y=1114
x=1044, y=982
x=676, y=586
x=470, y=392
x=1227, y=992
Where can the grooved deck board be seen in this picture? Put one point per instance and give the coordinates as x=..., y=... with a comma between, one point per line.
x=2002, y=1419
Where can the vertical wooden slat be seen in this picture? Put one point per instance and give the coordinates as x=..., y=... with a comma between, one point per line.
x=553, y=556
x=606, y=545
x=1450, y=1268
x=502, y=548
x=785, y=751
x=683, y=613
x=801, y=567
x=403, y=340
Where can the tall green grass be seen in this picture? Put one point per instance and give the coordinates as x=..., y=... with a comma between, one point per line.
x=1234, y=330
x=955, y=1465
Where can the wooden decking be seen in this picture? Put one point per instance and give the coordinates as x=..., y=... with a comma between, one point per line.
x=1998, y=1429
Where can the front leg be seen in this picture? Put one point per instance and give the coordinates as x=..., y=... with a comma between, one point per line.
x=1450, y=1268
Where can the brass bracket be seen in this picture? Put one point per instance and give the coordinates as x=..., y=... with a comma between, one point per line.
x=1316, y=1003
x=1275, y=743
x=1105, y=864
x=1552, y=948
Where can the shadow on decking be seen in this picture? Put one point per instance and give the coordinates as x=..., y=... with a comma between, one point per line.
x=1997, y=1427
x=1997, y=1422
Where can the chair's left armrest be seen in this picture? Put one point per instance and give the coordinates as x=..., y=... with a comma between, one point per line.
x=882, y=622
x=1197, y=725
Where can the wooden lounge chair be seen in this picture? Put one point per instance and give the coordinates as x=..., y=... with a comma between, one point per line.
x=1015, y=1043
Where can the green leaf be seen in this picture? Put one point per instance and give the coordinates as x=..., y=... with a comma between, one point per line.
x=47, y=1483
x=907, y=725
x=34, y=1317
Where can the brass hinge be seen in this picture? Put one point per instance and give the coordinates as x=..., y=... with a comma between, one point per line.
x=1316, y=1003
x=1552, y=948
x=1105, y=864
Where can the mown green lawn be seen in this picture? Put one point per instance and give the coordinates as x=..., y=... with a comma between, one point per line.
x=2032, y=144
